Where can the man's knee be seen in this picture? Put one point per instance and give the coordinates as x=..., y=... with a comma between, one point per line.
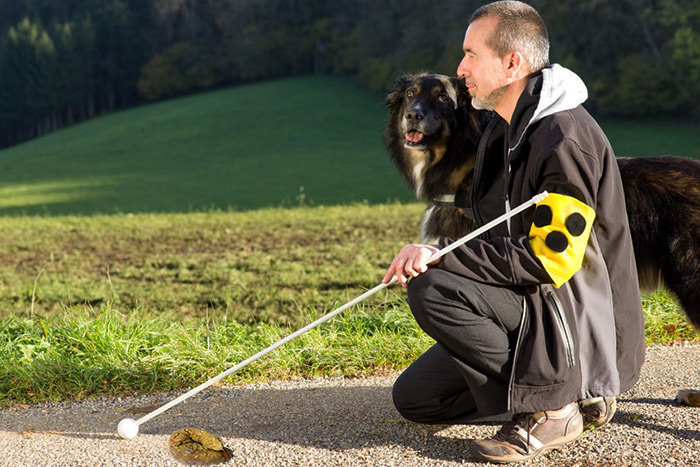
x=407, y=404
x=401, y=395
x=421, y=401
x=420, y=285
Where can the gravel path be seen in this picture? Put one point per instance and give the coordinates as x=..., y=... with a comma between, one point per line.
x=345, y=422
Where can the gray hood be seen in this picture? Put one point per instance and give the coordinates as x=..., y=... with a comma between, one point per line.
x=562, y=89
x=554, y=89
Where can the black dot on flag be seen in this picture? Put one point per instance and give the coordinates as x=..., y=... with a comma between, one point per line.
x=556, y=241
x=543, y=215
x=576, y=224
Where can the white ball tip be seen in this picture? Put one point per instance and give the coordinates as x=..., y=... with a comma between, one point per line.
x=128, y=428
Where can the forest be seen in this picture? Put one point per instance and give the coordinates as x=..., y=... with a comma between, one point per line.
x=65, y=61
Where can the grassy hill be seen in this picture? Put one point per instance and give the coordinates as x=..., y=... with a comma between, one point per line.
x=303, y=140
x=653, y=138
x=310, y=140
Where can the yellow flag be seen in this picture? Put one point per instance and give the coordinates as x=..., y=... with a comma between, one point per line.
x=559, y=235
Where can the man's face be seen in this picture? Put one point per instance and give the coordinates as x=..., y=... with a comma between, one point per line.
x=484, y=73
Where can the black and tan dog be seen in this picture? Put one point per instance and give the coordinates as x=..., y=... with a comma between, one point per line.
x=432, y=133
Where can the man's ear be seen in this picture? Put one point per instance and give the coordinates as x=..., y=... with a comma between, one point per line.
x=515, y=65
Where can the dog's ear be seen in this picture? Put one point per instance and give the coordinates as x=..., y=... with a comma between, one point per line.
x=462, y=93
x=476, y=119
x=395, y=97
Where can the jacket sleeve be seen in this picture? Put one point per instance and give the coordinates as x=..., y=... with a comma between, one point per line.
x=551, y=244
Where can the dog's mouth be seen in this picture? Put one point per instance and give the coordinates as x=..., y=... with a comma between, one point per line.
x=415, y=138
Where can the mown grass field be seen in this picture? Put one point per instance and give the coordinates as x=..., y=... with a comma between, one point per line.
x=174, y=267
x=281, y=143
x=266, y=265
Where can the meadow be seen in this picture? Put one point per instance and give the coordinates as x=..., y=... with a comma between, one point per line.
x=279, y=143
x=152, y=249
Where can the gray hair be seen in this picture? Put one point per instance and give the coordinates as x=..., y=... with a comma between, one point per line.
x=520, y=29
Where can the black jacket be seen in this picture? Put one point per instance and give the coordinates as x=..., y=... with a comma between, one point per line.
x=582, y=331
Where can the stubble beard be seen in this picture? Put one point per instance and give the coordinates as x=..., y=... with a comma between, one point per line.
x=490, y=101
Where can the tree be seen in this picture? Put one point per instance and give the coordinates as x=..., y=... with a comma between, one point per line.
x=26, y=93
x=683, y=18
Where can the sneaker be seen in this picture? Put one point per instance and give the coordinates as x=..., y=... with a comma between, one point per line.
x=597, y=411
x=529, y=435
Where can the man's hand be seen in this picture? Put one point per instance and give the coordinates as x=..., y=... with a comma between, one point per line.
x=411, y=261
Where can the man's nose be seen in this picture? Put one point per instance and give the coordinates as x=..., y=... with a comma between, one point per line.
x=462, y=69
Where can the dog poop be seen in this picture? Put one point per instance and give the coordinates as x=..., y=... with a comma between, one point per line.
x=689, y=397
x=197, y=447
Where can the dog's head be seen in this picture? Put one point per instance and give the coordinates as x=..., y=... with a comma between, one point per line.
x=432, y=132
x=426, y=109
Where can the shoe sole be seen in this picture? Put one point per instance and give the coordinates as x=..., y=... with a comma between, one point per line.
x=524, y=457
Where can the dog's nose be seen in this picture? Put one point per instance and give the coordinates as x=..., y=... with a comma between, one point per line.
x=414, y=114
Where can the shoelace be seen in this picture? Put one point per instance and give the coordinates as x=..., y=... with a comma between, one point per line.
x=525, y=421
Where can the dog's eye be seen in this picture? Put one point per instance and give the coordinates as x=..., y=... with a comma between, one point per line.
x=410, y=93
x=442, y=98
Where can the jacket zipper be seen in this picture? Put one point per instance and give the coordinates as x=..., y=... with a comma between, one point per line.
x=564, y=330
x=511, y=383
x=506, y=181
x=563, y=326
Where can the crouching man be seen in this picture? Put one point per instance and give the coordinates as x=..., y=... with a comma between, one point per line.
x=539, y=322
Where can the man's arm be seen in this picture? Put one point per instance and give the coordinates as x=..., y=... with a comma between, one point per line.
x=532, y=256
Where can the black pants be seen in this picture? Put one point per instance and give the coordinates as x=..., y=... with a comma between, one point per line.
x=464, y=377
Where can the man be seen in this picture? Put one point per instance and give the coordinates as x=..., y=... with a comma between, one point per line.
x=540, y=320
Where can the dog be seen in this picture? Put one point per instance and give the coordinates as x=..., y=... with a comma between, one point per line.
x=432, y=133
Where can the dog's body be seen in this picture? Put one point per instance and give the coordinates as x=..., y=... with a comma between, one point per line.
x=432, y=134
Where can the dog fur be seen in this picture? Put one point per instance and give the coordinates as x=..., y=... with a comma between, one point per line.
x=432, y=133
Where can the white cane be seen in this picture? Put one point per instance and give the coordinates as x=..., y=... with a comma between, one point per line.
x=129, y=428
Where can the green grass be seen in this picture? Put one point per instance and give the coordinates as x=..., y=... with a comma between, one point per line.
x=664, y=321
x=88, y=353
x=312, y=140
x=266, y=265
x=108, y=353
x=126, y=304
x=653, y=138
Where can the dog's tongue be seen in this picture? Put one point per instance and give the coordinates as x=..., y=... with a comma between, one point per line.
x=414, y=136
